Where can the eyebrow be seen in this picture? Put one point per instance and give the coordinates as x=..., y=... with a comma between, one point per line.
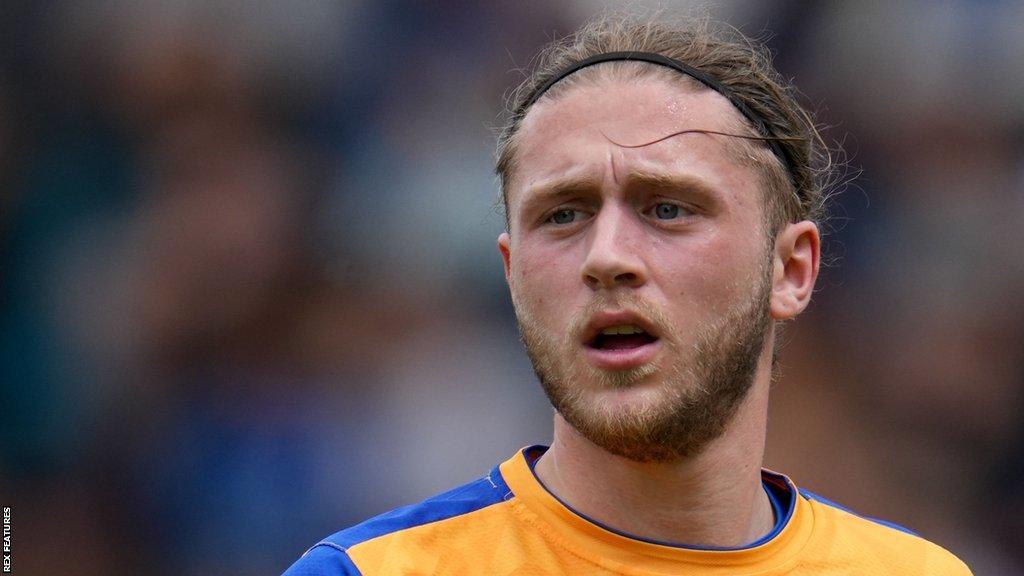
x=556, y=189
x=675, y=181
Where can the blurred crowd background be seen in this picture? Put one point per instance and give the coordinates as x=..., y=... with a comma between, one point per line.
x=250, y=294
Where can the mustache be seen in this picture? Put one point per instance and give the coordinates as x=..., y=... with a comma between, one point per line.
x=620, y=301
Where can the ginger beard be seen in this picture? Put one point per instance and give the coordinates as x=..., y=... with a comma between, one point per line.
x=699, y=392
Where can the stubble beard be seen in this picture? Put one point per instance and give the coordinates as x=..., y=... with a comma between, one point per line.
x=701, y=389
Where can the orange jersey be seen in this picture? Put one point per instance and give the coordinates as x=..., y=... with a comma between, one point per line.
x=508, y=523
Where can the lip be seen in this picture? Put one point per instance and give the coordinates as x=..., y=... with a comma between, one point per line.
x=622, y=358
x=604, y=319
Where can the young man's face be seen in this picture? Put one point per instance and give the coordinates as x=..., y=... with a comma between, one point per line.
x=666, y=239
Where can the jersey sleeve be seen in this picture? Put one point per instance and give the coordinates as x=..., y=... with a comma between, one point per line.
x=950, y=565
x=323, y=560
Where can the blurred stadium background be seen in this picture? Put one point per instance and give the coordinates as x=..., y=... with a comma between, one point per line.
x=249, y=292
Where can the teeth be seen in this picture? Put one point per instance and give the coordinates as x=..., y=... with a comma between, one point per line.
x=624, y=329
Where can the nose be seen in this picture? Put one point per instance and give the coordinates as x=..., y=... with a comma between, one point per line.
x=614, y=251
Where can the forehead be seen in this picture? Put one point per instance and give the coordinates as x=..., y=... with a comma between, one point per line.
x=594, y=128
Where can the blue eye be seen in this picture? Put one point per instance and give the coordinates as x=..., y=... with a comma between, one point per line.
x=563, y=216
x=666, y=211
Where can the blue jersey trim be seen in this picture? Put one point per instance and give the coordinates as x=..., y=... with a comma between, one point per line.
x=777, y=511
x=778, y=491
x=812, y=496
x=323, y=560
x=490, y=489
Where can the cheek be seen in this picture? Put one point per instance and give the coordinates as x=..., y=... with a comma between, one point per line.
x=709, y=275
x=543, y=280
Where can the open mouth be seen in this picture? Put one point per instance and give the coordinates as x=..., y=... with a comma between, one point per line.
x=621, y=338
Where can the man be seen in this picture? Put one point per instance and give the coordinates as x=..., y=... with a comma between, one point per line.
x=661, y=188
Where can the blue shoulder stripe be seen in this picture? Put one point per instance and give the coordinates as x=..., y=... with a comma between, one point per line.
x=490, y=489
x=812, y=496
x=323, y=560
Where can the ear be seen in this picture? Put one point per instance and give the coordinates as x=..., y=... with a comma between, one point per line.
x=795, y=269
x=506, y=254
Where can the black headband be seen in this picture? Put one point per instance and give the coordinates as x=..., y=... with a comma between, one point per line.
x=702, y=77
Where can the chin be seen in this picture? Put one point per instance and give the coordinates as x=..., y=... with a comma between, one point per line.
x=625, y=380
x=640, y=395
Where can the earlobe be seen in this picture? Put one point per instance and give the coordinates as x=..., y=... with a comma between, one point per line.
x=795, y=269
x=506, y=254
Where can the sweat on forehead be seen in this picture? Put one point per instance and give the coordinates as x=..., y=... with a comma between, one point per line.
x=601, y=76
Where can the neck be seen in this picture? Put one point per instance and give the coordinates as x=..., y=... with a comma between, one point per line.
x=712, y=499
